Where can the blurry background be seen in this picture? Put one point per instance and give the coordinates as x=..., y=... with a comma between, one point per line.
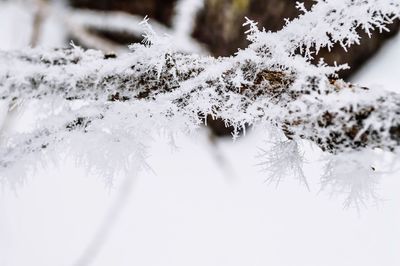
x=206, y=203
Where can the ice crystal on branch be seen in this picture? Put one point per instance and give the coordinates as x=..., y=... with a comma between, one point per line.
x=282, y=160
x=352, y=175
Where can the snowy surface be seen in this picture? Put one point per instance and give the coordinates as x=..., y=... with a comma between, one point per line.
x=201, y=205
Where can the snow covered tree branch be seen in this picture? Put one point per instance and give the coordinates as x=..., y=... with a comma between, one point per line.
x=121, y=98
x=336, y=115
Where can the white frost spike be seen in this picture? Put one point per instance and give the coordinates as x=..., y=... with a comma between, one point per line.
x=282, y=160
x=352, y=175
x=150, y=36
x=300, y=6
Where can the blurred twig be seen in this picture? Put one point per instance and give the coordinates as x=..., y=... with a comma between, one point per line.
x=97, y=242
x=37, y=22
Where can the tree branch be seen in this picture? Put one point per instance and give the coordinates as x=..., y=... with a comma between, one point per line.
x=335, y=115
